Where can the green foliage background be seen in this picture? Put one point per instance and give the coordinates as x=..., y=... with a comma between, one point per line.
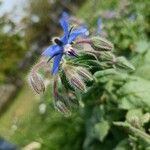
x=115, y=111
x=12, y=50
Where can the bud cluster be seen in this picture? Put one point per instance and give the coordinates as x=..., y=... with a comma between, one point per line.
x=102, y=50
x=73, y=77
x=64, y=99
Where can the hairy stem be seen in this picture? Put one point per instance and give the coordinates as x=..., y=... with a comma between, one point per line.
x=83, y=41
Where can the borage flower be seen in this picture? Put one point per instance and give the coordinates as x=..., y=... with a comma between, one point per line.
x=99, y=26
x=62, y=45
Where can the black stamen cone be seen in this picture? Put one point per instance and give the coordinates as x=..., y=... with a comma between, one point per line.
x=58, y=42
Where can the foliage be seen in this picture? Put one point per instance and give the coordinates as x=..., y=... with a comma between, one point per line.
x=117, y=98
x=114, y=112
x=38, y=21
x=12, y=49
x=122, y=93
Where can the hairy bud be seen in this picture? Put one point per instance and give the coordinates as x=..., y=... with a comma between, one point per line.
x=123, y=63
x=72, y=100
x=74, y=78
x=106, y=56
x=146, y=118
x=36, y=82
x=61, y=106
x=84, y=73
x=99, y=43
x=77, y=82
x=135, y=121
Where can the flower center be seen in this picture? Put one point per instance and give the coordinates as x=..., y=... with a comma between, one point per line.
x=68, y=49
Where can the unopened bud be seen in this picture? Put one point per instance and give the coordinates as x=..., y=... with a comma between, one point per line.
x=61, y=106
x=77, y=82
x=99, y=43
x=72, y=99
x=146, y=118
x=135, y=121
x=123, y=63
x=73, y=102
x=74, y=78
x=106, y=56
x=84, y=73
x=36, y=82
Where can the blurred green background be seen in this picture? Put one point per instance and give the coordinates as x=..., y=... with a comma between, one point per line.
x=26, y=28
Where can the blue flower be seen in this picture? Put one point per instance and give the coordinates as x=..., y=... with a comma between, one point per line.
x=99, y=26
x=63, y=45
x=65, y=15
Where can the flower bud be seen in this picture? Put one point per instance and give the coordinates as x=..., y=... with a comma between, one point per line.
x=146, y=118
x=74, y=78
x=106, y=56
x=84, y=73
x=74, y=102
x=77, y=82
x=135, y=121
x=123, y=63
x=36, y=82
x=71, y=99
x=99, y=43
x=61, y=106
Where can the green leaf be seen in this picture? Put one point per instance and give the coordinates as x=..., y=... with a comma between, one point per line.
x=110, y=74
x=101, y=129
x=123, y=145
x=135, y=131
x=147, y=148
x=135, y=94
x=102, y=73
x=141, y=46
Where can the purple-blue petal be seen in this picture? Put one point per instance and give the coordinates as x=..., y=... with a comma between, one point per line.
x=78, y=32
x=56, y=63
x=65, y=25
x=51, y=51
x=99, y=25
x=64, y=39
x=65, y=16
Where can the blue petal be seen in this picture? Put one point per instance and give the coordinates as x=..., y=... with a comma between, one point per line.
x=65, y=15
x=56, y=63
x=64, y=39
x=99, y=25
x=65, y=25
x=76, y=33
x=51, y=51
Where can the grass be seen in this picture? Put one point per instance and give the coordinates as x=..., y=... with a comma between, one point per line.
x=20, y=108
x=22, y=123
